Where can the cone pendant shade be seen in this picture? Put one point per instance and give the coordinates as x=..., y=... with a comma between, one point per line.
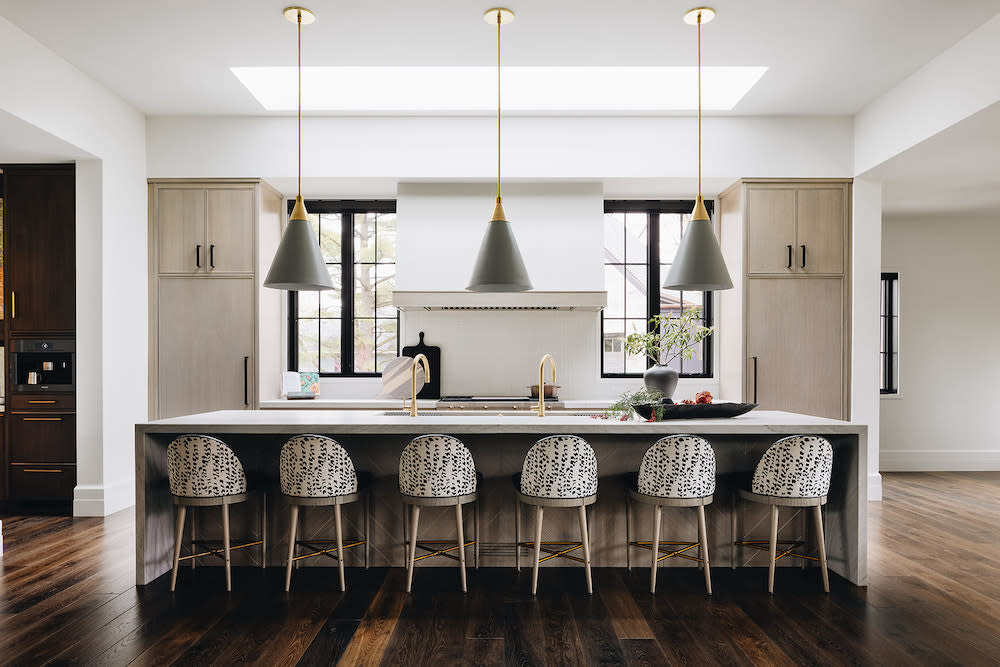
x=499, y=267
x=698, y=264
x=298, y=264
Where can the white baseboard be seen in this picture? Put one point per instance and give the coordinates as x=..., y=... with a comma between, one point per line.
x=921, y=460
x=103, y=499
x=874, y=487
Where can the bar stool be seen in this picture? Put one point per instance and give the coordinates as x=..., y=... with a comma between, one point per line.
x=203, y=471
x=793, y=472
x=437, y=471
x=677, y=471
x=316, y=471
x=558, y=471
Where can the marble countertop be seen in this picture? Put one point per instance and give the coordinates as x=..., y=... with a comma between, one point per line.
x=396, y=404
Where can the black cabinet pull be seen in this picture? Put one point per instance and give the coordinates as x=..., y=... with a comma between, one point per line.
x=246, y=378
x=789, y=257
x=211, y=255
x=803, y=257
x=754, y=379
x=197, y=256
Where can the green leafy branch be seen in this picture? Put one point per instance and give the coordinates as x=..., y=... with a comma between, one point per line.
x=670, y=337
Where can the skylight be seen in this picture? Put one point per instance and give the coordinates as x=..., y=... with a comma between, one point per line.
x=473, y=89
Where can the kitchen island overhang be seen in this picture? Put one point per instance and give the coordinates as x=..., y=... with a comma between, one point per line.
x=498, y=444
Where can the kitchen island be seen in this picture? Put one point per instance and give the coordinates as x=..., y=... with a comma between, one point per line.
x=498, y=444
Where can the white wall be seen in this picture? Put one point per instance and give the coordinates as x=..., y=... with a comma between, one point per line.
x=949, y=367
x=48, y=93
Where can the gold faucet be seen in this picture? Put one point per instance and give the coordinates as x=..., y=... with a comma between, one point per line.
x=422, y=360
x=541, y=383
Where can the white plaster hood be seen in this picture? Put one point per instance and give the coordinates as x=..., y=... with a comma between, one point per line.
x=531, y=300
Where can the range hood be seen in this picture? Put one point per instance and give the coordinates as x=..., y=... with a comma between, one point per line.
x=438, y=300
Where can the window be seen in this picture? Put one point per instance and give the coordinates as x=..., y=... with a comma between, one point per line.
x=889, y=345
x=640, y=241
x=353, y=331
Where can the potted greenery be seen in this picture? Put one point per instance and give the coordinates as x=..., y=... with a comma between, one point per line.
x=645, y=402
x=667, y=339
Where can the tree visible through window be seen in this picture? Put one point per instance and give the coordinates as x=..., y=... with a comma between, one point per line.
x=640, y=241
x=355, y=331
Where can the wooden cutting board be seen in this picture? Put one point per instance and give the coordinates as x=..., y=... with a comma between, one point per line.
x=432, y=389
x=396, y=378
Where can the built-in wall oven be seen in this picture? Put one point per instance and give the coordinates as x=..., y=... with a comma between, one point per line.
x=43, y=365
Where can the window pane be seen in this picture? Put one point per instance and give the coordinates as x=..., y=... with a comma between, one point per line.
x=670, y=302
x=364, y=346
x=635, y=363
x=670, y=237
x=385, y=237
x=614, y=283
x=309, y=303
x=364, y=290
x=385, y=282
x=636, y=250
x=308, y=345
x=635, y=291
x=386, y=345
x=364, y=237
x=328, y=226
x=614, y=237
x=330, y=354
x=693, y=300
x=329, y=300
x=614, y=357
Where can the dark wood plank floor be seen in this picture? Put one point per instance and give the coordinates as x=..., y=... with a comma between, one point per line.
x=67, y=596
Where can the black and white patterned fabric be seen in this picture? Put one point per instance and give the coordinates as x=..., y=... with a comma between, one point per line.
x=678, y=466
x=795, y=467
x=314, y=466
x=200, y=466
x=436, y=466
x=560, y=466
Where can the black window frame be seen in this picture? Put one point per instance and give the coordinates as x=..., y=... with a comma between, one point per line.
x=653, y=208
x=888, y=350
x=347, y=208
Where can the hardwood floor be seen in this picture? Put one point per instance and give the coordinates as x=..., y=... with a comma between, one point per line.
x=67, y=597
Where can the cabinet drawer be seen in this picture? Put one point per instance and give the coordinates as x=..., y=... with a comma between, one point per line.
x=37, y=402
x=42, y=438
x=42, y=482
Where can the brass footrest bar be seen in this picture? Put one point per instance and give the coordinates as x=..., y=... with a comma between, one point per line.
x=220, y=552
x=764, y=545
x=422, y=544
x=329, y=553
x=670, y=554
x=564, y=553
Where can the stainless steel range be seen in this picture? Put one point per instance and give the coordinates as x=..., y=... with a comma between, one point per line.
x=494, y=403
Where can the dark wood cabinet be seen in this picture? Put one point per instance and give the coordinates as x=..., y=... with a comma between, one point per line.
x=42, y=438
x=40, y=249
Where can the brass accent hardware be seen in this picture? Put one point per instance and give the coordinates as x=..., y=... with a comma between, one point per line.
x=329, y=553
x=763, y=545
x=422, y=544
x=43, y=419
x=421, y=359
x=42, y=402
x=216, y=552
x=562, y=553
x=540, y=410
x=669, y=554
x=13, y=305
x=41, y=470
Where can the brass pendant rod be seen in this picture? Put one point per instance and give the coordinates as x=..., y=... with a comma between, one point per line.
x=299, y=22
x=498, y=105
x=699, y=105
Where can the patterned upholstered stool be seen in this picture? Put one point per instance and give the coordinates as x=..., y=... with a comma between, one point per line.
x=317, y=471
x=558, y=471
x=677, y=471
x=437, y=471
x=204, y=471
x=793, y=472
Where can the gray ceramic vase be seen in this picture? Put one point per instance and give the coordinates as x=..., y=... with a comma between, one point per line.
x=662, y=379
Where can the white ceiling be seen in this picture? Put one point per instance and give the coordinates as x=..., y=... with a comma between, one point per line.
x=173, y=57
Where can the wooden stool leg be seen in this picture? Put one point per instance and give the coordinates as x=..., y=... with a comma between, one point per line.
x=225, y=546
x=772, y=548
x=703, y=536
x=413, y=546
x=517, y=534
x=538, y=548
x=803, y=532
x=340, y=546
x=732, y=530
x=461, y=545
x=821, y=544
x=293, y=522
x=263, y=530
x=585, y=538
x=657, y=516
x=368, y=525
x=193, y=538
x=406, y=536
x=178, y=537
x=475, y=534
x=628, y=531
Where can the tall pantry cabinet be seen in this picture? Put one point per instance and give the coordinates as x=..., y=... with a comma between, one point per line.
x=205, y=268
x=788, y=243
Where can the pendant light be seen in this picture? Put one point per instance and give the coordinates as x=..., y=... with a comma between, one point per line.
x=298, y=263
x=698, y=264
x=499, y=267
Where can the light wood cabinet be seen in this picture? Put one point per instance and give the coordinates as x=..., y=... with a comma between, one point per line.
x=205, y=292
x=785, y=327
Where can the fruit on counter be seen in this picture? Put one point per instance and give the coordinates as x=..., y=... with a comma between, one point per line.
x=703, y=397
x=687, y=401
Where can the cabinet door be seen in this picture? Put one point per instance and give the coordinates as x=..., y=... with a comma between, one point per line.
x=43, y=438
x=205, y=358
x=230, y=230
x=770, y=215
x=819, y=217
x=180, y=230
x=40, y=250
x=795, y=332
